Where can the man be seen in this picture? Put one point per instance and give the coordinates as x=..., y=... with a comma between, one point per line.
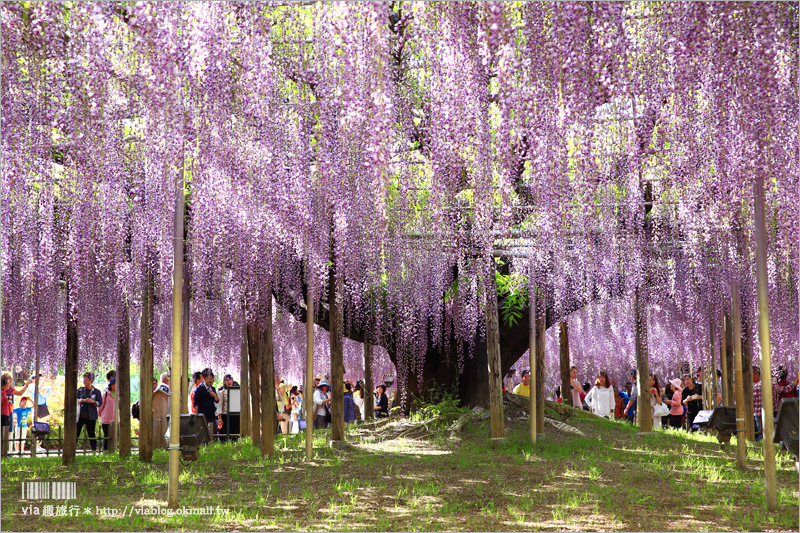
x=223, y=416
x=89, y=399
x=206, y=400
x=692, y=398
x=322, y=404
x=783, y=388
x=757, y=401
x=198, y=379
x=524, y=388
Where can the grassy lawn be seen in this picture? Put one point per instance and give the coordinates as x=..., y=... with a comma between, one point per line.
x=609, y=480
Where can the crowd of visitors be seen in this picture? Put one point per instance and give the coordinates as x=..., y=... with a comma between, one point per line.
x=676, y=405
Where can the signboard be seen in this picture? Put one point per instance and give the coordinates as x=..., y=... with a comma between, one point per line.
x=234, y=400
x=703, y=417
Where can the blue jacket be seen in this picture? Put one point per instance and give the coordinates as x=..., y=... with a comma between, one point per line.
x=204, y=402
x=94, y=395
x=349, y=408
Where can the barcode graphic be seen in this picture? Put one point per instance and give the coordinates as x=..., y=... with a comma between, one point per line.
x=44, y=490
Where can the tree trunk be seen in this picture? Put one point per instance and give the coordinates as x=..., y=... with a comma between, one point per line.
x=741, y=435
x=124, y=383
x=643, y=411
x=185, y=372
x=493, y=352
x=729, y=355
x=254, y=344
x=369, y=398
x=268, y=405
x=723, y=360
x=146, y=374
x=244, y=392
x=337, y=360
x=747, y=374
x=70, y=389
x=563, y=350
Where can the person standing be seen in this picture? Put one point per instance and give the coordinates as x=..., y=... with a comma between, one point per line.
x=106, y=412
x=359, y=398
x=757, y=401
x=349, y=405
x=692, y=398
x=22, y=415
x=524, y=388
x=675, y=405
x=322, y=402
x=783, y=388
x=224, y=416
x=600, y=398
x=198, y=379
x=42, y=412
x=633, y=398
x=575, y=388
x=381, y=402
x=206, y=400
x=89, y=400
x=655, y=399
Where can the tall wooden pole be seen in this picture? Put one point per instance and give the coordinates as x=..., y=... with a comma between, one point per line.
x=38, y=383
x=541, y=326
x=268, y=406
x=643, y=411
x=124, y=382
x=146, y=370
x=532, y=359
x=70, y=387
x=308, y=390
x=563, y=352
x=770, y=472
x=244, y=392
x=176, y=376
x=369, y=398
x=493, y=353
x=747, y=376
x=741, y=411
x=337, y=360
x=184, y=381
x=711, y=372
x=254, y=348
x=723, y=360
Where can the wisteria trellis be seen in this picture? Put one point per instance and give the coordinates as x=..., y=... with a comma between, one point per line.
x=402, y=141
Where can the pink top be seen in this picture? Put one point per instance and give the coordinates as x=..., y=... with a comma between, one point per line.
x=676, y=407
x=106, y=409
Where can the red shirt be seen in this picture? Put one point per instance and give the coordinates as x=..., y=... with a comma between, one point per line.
x=6, y=407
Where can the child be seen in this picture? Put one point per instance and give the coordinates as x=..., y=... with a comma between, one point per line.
x=21, y=416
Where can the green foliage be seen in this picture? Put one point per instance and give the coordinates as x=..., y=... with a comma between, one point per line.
x=440, y=403
x=513, y=291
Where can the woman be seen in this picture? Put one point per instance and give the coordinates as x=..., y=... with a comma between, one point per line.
x=575, y=387
x=600, y=398
x=655, y=398
x=106, y=412
x=358, y=398
x=692, y=398
x=676, y=408
x=381, y=402
x=294, y=400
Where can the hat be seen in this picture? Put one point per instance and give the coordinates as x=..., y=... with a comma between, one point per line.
x=676, y=383
x=319, y=376
x=112, y=381
x=324, y=382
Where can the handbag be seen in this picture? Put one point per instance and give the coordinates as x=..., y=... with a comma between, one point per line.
x=301, y=423
x=40, y=429
x=661, y=410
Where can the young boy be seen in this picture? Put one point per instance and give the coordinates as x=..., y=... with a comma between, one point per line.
x=21, y=416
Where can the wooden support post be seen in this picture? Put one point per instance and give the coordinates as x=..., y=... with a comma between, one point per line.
x=741, y=411
x=244, y=415
x=268, y=400
x=723, y=360
x=532, y=359
x=563, y=351
x=337, y=361
x=124, y=382
x=254, y=344
x=493, y=353
x=146, y=372
x=747, y=377
x=185, y=371
x=541, y=324
x=70, y=388
x=770, y=469
x=369, y=398
x=643, y=411
x=308, y=389
x=177, y=383
x=711, y=372
x=37, y=383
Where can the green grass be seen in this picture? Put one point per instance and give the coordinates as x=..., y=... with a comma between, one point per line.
x=609, y=480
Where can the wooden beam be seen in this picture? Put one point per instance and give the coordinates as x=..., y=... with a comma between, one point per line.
x=146, y=372
x=268, y=400
x=643, y=411
x=124, y=382
x=741, y=411
x=254, y=344
x=308, y=389
x=244, y=393
x=70, y=389
x=369, y=398
x=541, y=322
x=532, y=359
x=563, y=352
x=337, y=358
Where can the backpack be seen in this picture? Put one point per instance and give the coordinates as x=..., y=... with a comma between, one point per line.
x=135, y=410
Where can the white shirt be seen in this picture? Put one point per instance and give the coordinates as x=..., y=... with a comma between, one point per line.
x=601, y=400
x=319, y=397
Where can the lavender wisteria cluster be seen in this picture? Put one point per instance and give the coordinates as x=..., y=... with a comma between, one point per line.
x=394, y=151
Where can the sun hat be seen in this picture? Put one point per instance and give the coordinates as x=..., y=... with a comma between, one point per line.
x=112, y=381
x=676, y=382
x=324, y=382
x=319, y=376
